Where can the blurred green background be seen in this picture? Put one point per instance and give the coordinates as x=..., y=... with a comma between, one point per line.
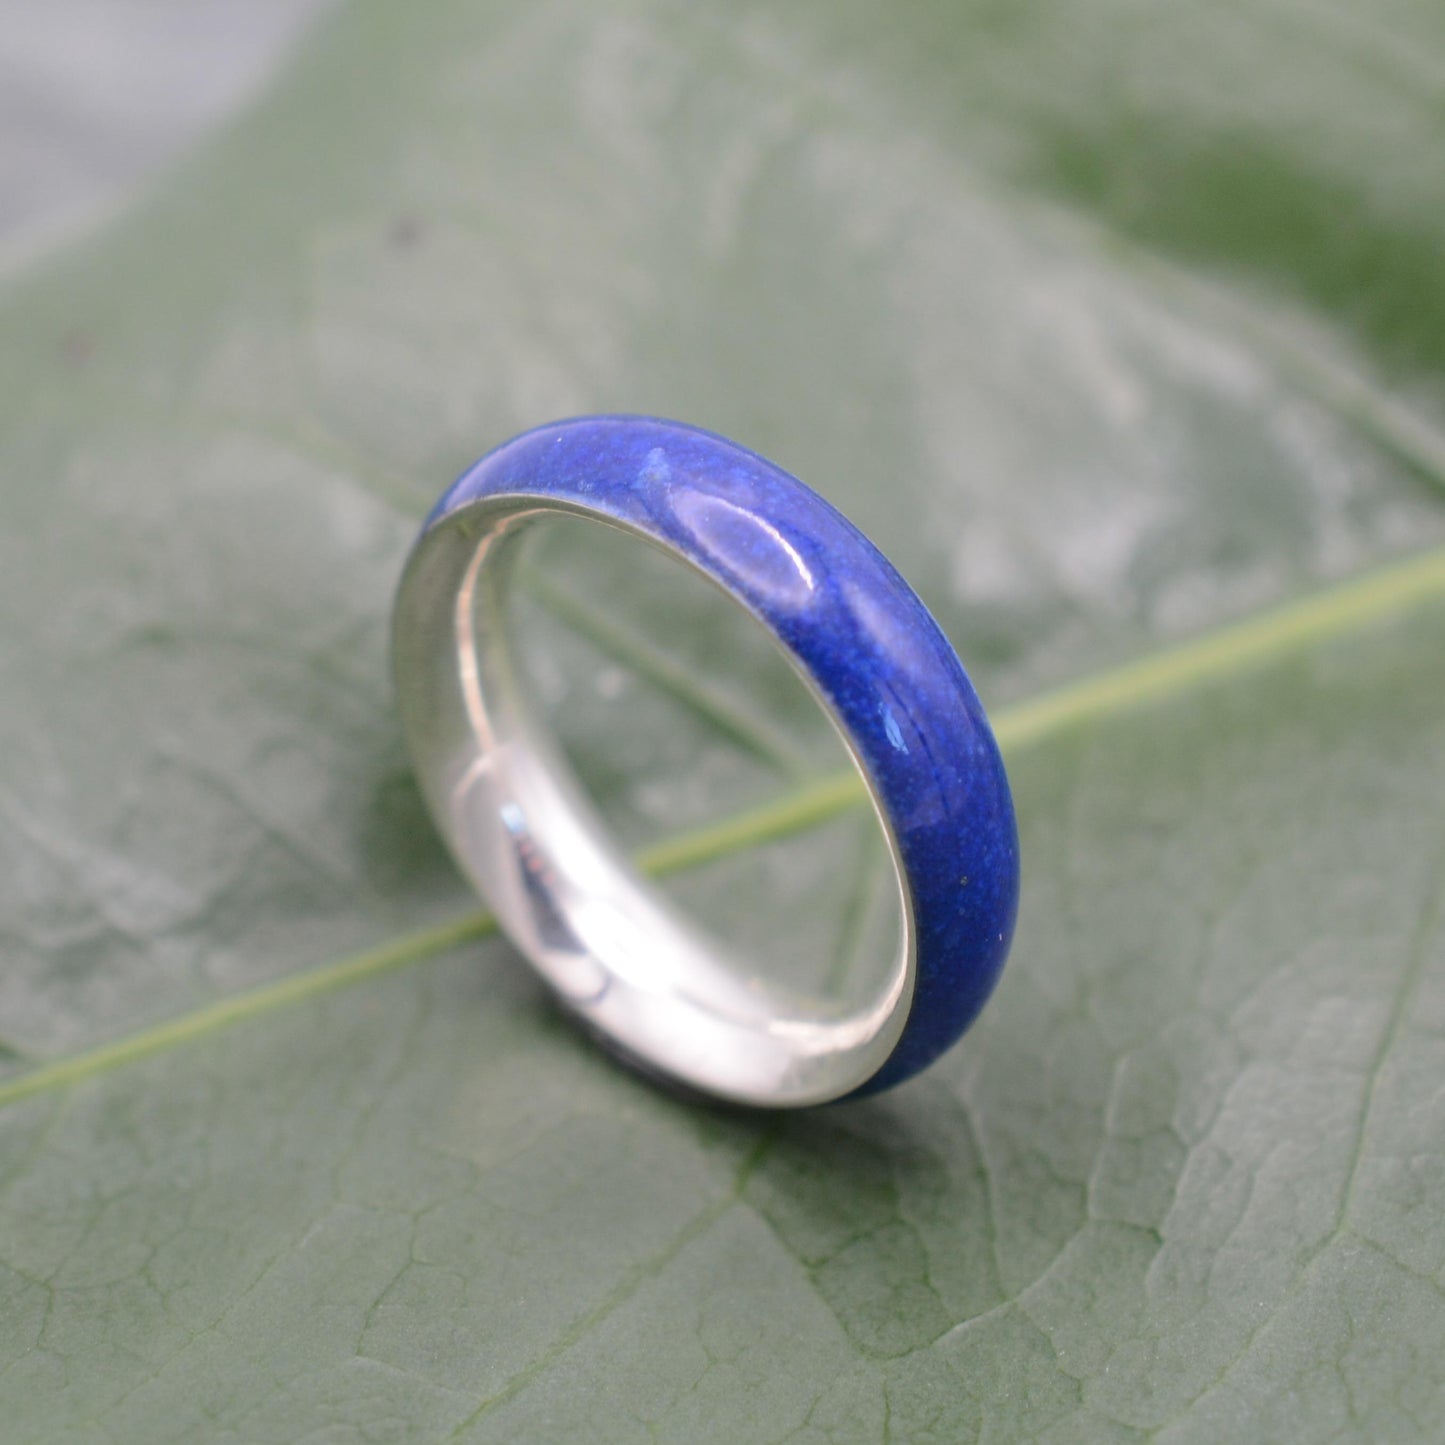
x=1118, y=326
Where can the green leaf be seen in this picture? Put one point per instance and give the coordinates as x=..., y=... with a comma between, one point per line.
x=1119, y=327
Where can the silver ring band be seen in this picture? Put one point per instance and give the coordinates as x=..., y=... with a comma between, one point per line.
x=602, y=935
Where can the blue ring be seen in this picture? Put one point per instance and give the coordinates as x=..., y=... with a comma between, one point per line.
x=867, y=642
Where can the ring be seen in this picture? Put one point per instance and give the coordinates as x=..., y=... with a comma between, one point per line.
x=655, y=986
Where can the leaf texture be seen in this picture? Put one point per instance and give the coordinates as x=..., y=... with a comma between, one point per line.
x=1118, y=329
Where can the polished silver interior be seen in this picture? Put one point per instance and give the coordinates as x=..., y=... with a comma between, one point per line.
x=634, y=966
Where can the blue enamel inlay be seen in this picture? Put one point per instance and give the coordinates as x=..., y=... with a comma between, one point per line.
x=867, y=641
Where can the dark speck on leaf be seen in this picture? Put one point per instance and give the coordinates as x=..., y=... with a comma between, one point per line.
x=77, y=347
x=406, y=233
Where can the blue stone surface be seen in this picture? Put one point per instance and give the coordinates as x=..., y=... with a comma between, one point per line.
x=869, y=644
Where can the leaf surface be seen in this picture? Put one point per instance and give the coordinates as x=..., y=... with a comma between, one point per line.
x=1125, y=350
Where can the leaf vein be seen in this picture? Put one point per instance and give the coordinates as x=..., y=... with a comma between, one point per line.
x=1350, y=607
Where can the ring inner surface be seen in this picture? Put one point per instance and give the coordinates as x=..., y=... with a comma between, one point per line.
x=640, y=969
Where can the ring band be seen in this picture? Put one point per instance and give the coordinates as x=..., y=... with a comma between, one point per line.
x=630, y=964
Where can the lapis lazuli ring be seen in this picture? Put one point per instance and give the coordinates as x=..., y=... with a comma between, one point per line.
x=631, y=964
